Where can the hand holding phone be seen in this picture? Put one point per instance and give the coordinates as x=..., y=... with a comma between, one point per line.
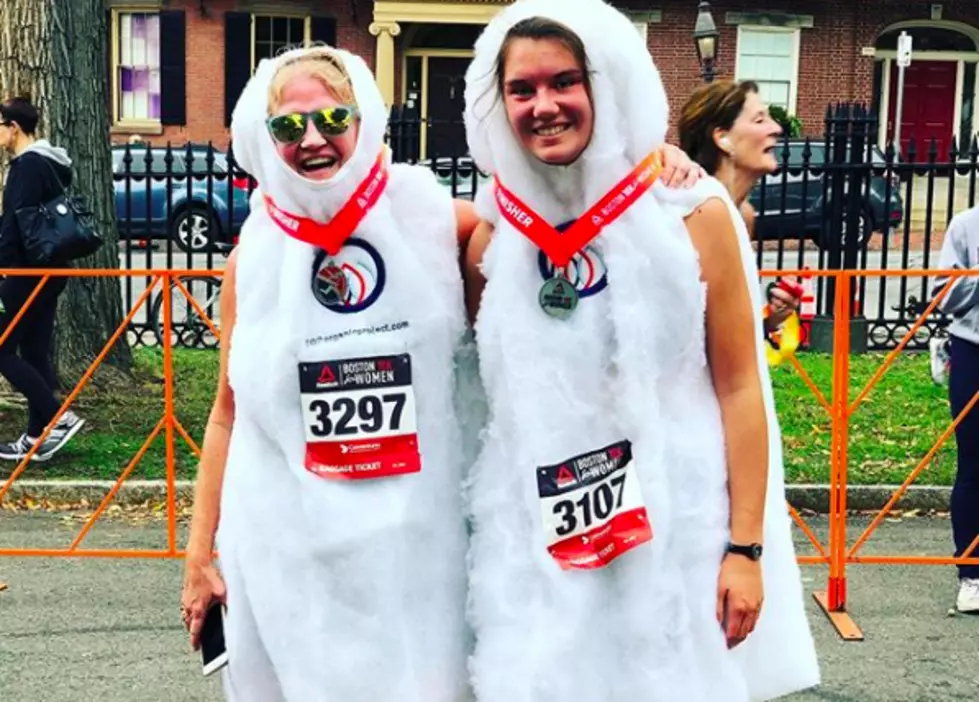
x=214, y=654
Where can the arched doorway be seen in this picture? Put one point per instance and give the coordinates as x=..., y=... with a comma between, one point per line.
x=939, y=86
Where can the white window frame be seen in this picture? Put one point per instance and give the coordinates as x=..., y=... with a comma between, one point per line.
x=307, y=28
x=643, y=28
x=796, y=33
x=115, y=49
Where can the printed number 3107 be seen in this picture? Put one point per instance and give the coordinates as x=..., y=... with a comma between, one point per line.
x=596, y=504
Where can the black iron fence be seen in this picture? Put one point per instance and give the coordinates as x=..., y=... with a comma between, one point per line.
x=835, y=202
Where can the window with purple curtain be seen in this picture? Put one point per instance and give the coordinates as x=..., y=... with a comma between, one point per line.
x=139, y=66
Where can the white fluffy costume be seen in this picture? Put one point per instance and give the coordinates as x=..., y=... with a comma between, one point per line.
x=629, y=364
x=342, y=590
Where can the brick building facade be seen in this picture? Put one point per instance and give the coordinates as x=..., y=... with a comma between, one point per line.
x=805, y=53
x=203, y=52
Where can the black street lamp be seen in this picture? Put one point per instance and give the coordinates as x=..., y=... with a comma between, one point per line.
x=706, y=36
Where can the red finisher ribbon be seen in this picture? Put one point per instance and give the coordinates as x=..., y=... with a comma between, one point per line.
x=561, y=248
x=333, y=234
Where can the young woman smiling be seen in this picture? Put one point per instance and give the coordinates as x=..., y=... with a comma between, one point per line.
x=332, y=457
x=621, y=501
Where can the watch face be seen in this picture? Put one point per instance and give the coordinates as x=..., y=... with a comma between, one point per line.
x=756, y=551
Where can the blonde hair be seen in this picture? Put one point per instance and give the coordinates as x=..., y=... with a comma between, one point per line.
x=322, y=65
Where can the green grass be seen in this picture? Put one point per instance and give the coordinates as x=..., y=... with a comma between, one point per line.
x=890, y=432
x=120, y=419
x=894, y=427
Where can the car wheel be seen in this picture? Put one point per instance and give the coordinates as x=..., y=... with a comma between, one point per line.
x=194, y=230
x=865, y=231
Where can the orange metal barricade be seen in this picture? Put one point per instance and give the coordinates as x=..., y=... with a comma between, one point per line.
x=831, y=600
x=823, y=551
x=844, y=554
x=169, y=425
x=835, y=552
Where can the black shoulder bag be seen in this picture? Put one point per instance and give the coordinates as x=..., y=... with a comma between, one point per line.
x=59, y=230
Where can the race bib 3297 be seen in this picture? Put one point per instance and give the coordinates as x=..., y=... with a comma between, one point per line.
x=359, y=417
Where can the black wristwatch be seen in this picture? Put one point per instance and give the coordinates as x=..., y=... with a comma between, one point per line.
x=752, y=551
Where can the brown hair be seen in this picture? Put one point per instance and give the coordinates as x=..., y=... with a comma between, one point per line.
x=539, y=28
x=324, y=66
x=712, y=106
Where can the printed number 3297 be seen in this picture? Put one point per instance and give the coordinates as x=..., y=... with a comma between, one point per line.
x=368, y=413
x=596, y=504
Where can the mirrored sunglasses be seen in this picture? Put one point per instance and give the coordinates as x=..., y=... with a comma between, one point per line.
x=330, y=121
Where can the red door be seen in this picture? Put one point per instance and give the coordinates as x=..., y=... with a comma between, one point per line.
x=929, y=107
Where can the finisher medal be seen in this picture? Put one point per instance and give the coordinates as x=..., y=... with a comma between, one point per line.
x=558, y=297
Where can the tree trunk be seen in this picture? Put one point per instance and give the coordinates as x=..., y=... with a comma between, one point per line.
x=54, y=52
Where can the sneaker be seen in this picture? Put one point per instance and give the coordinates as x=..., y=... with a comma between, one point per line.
x=968, y=599
x=938, y=351
x=67, y=427
x=63, y=431
x=16, y=450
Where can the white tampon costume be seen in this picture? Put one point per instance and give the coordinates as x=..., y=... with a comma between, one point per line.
x=629, y=364
x=343, y=590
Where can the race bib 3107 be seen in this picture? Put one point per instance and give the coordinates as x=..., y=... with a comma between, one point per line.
x=359, y=417
x=592, y=508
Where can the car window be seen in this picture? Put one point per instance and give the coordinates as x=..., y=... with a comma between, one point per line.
x=219, y=167
x=796, y=149
x=158, y=164
x=198, y=163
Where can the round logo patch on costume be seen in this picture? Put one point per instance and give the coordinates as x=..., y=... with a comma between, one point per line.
x=586, y=271
x=352, y=280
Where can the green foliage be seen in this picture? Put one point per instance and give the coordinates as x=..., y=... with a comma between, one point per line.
x=790, y=123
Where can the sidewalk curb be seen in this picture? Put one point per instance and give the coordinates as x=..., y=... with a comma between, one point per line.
x=813, y=498
x=863, y=498
x=132, y=492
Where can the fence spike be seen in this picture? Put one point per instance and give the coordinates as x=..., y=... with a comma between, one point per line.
x=127, y=159
x=148, y=158
x=188, y=159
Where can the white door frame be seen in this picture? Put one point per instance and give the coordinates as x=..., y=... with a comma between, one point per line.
x=960, y=57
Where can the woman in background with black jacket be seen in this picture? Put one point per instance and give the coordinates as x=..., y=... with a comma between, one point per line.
x=37, y=173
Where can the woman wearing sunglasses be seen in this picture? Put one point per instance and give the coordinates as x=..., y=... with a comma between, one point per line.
x=333, y=453
x=619, y=505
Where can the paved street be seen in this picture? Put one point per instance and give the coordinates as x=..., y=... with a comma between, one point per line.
x=108, y=630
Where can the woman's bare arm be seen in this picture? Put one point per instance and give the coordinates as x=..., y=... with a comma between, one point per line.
x=472, y=275
x=732, y=353
x=466, y=220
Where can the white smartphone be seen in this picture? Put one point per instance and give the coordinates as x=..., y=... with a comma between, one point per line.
x=214, y=655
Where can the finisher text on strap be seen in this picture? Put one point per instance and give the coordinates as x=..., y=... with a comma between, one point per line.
x=561, y=248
